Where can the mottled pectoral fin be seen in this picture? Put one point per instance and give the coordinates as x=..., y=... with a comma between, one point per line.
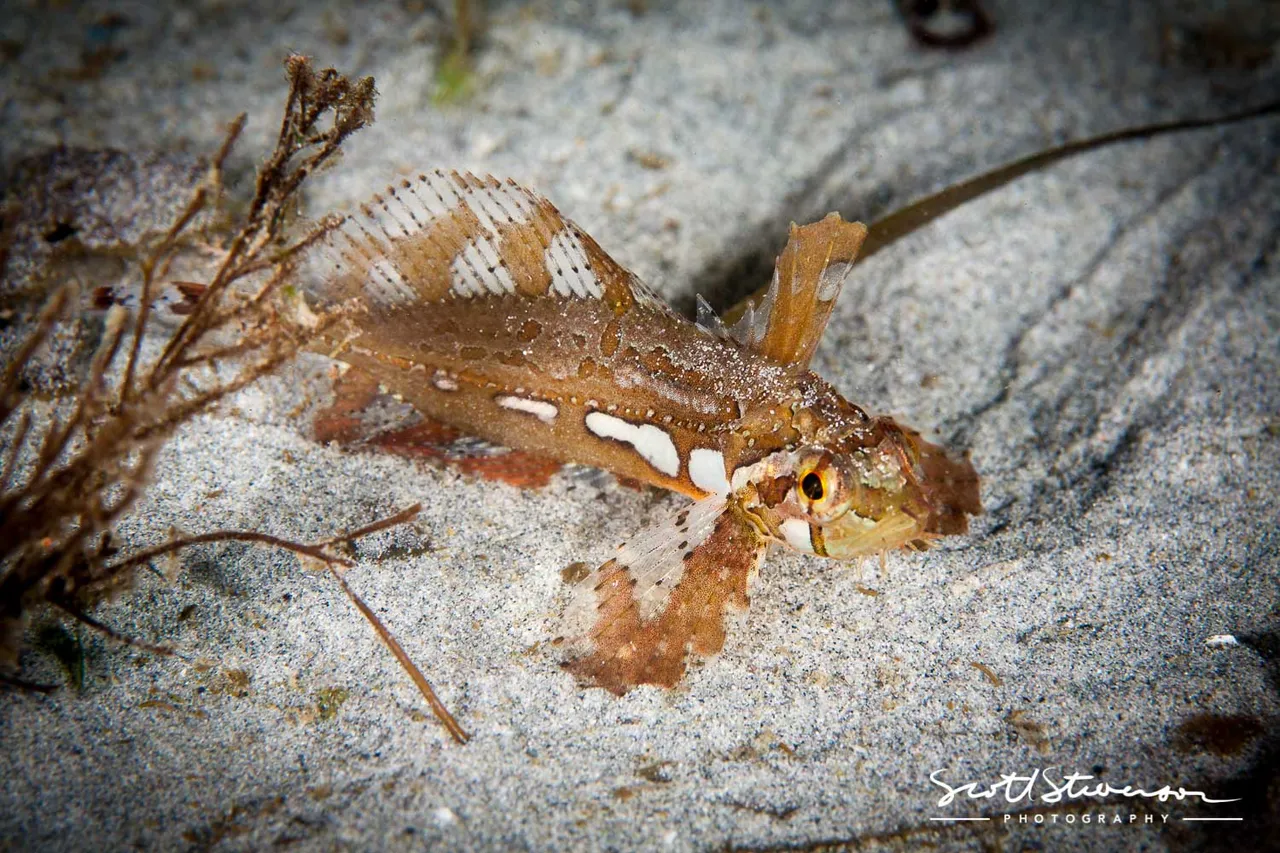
x=786, y=324
x=636, y=619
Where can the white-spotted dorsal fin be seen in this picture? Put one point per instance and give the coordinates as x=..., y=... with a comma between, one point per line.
x=445, y=235
x=787, y=323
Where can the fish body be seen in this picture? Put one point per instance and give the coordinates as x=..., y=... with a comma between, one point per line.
x=477, y=302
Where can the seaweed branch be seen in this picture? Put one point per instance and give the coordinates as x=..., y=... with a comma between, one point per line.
x=67, y=482
x=69, y=474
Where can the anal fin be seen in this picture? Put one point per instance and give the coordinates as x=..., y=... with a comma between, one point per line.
x=349, y=421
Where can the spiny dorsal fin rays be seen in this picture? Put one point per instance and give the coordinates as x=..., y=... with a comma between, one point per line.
x=709, y=321
x=787, y=324
x=446, y=235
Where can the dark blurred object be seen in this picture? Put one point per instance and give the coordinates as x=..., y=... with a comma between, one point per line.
x=946, y=24
x=1239, y=43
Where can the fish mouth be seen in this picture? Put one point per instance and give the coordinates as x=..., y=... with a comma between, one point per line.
x=938, y=502
x=852, y=535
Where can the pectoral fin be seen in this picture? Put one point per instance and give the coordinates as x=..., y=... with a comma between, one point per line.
x=635, y=619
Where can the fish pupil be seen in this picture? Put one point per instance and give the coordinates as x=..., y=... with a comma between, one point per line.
x=811, y=485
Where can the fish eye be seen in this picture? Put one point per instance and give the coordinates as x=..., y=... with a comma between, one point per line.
x=811, y=486
x=825, y=487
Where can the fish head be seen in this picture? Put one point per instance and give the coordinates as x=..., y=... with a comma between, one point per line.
x=846, y=498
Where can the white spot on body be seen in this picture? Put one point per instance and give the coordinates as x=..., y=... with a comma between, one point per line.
x=796, y=531
x=1221, y=641
x=444, y=383
x=651, y=442
x=748, y=473
x=541, y=409
x=706, y=470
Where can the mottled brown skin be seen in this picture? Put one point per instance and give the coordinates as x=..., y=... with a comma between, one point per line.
x=577, y=354
x=625, y=353
x=572, y=352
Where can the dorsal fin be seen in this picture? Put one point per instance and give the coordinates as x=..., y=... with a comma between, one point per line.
x=446, y=235
x=786, y=325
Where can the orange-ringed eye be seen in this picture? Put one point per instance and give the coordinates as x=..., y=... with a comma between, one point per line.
x=811, y=486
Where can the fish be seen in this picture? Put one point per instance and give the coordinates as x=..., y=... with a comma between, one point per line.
x=477, y=302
